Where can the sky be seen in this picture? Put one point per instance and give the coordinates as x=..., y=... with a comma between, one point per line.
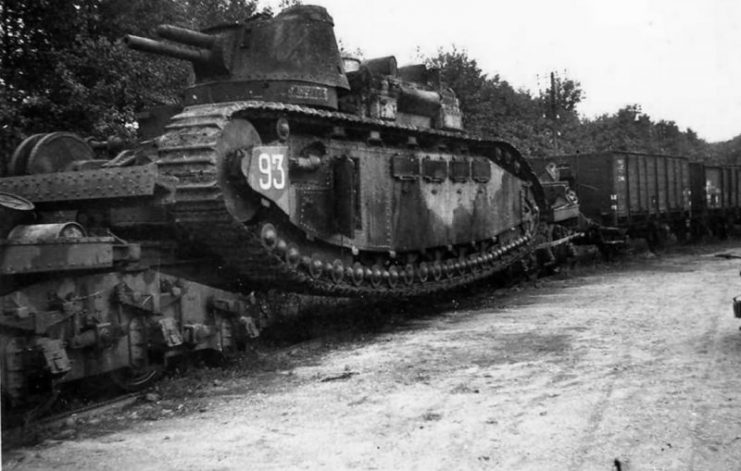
x=679, y=59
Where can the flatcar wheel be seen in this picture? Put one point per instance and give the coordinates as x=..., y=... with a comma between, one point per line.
x=130, y=379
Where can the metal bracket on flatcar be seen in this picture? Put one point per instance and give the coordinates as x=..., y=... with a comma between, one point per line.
x=18, y=316
x=37, y=322
x=33, y=256
x=170, y=332
x=130, y=298
x=98, y=184
x=240, y=310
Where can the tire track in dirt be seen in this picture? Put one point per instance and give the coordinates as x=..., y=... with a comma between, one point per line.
x=609, y=365
x=595, y=420
x=701, y=414
x=721, y=371
x=653, y=411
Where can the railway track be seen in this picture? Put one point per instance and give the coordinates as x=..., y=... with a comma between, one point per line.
x=27, y=427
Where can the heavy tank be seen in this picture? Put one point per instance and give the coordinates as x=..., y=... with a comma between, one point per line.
x=286, y=167
x=316, y=173
x=307, y=171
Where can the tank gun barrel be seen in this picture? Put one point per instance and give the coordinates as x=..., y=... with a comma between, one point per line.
x=186, y=36
x=197, y=55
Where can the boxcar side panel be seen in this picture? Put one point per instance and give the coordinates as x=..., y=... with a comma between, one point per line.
x=686, y=185
x=634, y=184
x=682, y=187
x=727, y=187
x=673, y=195
x=620, y=186
x=653, y=190
x=593, y=177
x=698, y=187
x=713, y=187
x=732, y=185
x=645, y=184
x=661, y=183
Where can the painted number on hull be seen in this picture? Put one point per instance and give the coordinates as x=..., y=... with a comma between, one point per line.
x=272, y=171
x=266, y=171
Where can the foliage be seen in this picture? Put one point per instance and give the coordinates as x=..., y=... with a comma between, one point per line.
x=63, y=64
x=491, y=106
x=550, y=124
x=629, y=129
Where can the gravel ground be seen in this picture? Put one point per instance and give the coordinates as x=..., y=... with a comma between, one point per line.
x=630, y=366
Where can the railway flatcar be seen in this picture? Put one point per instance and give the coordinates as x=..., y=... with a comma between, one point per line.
x=287, y=168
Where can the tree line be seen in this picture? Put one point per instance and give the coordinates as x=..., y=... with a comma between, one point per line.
x=548, y=122
x=63, y=66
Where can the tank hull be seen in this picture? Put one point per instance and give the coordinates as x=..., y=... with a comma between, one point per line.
x=394, y=224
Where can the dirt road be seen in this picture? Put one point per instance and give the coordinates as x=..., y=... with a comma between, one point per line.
x=633, y=368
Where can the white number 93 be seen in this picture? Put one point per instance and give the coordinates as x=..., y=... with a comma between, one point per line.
x=272, y=174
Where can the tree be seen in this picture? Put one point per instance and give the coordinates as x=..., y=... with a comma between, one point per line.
x=63, y=66
x=550, y=123
x=629, y=129
x=491, y=106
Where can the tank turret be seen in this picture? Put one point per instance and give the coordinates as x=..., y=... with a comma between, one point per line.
x=291, y=58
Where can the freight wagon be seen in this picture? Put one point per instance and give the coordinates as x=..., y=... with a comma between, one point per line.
x=648, y=193
x=715, y=196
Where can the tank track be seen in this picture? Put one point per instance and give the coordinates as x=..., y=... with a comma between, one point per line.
x=270, y=251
